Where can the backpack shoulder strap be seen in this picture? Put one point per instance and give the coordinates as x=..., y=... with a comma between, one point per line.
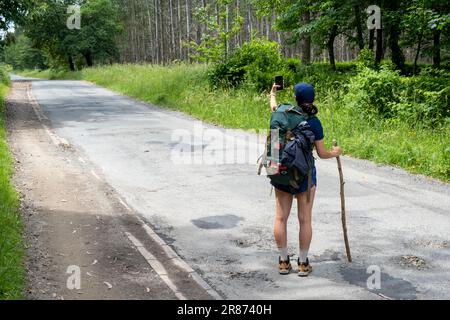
x=297, y=110
x=284, y=107
x=300, y=116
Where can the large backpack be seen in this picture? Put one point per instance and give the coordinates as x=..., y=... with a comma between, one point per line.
x=292, y=165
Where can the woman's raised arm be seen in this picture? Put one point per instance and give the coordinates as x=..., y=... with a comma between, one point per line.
x=273, y=98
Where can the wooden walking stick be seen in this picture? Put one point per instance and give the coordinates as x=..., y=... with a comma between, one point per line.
x=343, y=218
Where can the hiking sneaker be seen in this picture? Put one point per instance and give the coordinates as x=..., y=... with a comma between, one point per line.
x=284, y=267
x=304, y=268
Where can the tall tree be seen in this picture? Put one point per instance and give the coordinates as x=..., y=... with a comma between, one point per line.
x=379, y=49
x=439, y=22
x=12, y=11
x=393, y=12
x=306, y=39
x=46, y=26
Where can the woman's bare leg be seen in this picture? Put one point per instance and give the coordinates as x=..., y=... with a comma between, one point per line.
x=284, y=205
x=305, y=219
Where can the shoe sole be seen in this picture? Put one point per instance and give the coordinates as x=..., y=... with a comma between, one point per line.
x=285, y=272
x=304, y=273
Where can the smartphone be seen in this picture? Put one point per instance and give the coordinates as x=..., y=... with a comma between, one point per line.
x=279, y=81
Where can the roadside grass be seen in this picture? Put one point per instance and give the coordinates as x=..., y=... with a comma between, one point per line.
x=12, y=272
x=387, y=141
x=185, y=88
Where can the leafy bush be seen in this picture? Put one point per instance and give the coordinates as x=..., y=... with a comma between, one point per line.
x=425, y=99
x=293, y=65
x=4, y=76
x=374, y=92
x=346, y=67
x=324, y=79
x=365, y=59
x=21, y=55
x=255, y=63
x=419, y=100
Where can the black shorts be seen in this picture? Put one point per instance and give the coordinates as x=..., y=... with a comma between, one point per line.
x=302, y=188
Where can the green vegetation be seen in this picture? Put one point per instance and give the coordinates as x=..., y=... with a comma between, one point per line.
x=45, y=36
x=11, y=247
x=21, y=55
x=390, y=105
x=376, y=115
x=255, y=64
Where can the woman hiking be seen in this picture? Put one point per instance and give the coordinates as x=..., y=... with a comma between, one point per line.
x=304, y=96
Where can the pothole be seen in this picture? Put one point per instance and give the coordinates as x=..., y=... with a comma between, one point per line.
x=228, y=221
x=241, y=243
x=249, y=275
x=433, y=244
x=411, y=261
x=328, y=255
x=65, y=146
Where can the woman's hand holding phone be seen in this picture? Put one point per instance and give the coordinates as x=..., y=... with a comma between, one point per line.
x=273, y=97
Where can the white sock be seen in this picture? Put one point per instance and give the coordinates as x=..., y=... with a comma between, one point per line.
x=303, y=256
x=283, y=254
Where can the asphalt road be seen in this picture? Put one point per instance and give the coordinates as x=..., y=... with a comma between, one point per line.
x=219, y=217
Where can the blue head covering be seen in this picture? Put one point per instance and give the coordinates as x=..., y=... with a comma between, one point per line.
x=304, y=92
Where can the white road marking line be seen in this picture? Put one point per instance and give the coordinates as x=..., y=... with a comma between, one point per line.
x=34, y=105
x=123, y=203
x=156, y=265
x=168, y=250
x=56, y=140
x=175, y=258
x=95, y=175
x=180, y=262
x=81, y=160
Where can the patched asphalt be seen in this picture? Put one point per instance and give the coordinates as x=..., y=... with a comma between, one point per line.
x=219, y=218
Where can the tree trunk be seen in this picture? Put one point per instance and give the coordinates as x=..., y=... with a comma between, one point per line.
x=371, y=38
x=227, y=31
x=180, y=35
x=306, y=41
x=150, y=34
x=188, y=28
x=394, y=35
x=359, y=29
x=330, y=46
x=89, y=58
x=172, y=32
x=437, y=48
x=239, y=35
x=419, y=46
x=397, y=55
x=161, y=32
x=156, y=44
x=379, y=49
x=250, y=21
x=71, y=64
x=379, y=44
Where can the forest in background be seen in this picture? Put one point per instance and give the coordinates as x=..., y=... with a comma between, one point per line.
x=166, y=31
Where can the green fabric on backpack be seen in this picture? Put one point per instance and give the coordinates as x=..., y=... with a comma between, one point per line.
x=285, y=119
